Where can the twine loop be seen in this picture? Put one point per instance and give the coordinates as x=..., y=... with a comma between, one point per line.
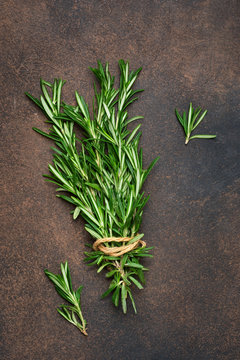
x=117, y=250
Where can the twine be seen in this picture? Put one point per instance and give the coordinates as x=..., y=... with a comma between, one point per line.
x=117, y=250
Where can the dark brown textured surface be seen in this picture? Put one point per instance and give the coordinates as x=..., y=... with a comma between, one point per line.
x=190, y=307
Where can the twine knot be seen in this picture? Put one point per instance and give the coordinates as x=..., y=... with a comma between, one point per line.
x=117, y=250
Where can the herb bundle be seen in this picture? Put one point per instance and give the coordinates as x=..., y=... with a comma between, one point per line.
x=63, y=286
x=190, y=122
x=102, y=174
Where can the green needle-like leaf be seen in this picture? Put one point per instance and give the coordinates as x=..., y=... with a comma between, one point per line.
x=137, y=283
x=202, y=137
x=123, y=298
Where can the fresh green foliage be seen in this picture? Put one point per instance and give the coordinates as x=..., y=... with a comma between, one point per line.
x=103, y=172
x=190, y=122
x=63, y=285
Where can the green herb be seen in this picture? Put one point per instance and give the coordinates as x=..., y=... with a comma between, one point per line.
x=63, y=285
x=103, y=172
x=190, y=122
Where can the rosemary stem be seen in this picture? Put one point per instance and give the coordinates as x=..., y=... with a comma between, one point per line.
x=83, y=327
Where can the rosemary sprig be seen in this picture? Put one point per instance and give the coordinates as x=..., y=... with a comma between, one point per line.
x=104, y=175
x=190, y=122
x=63, y=285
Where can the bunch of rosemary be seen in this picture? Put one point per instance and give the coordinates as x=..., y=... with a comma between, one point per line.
x=102, y=173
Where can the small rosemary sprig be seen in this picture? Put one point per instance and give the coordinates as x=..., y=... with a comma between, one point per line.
x=190, y=122
x=103, y=172
x=63, y=285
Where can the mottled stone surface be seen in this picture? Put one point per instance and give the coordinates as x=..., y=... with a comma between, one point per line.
x=190, y=307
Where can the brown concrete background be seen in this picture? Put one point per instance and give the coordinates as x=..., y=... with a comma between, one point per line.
x=189, y=51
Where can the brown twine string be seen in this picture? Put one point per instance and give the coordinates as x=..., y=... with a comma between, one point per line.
x=116, y=250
